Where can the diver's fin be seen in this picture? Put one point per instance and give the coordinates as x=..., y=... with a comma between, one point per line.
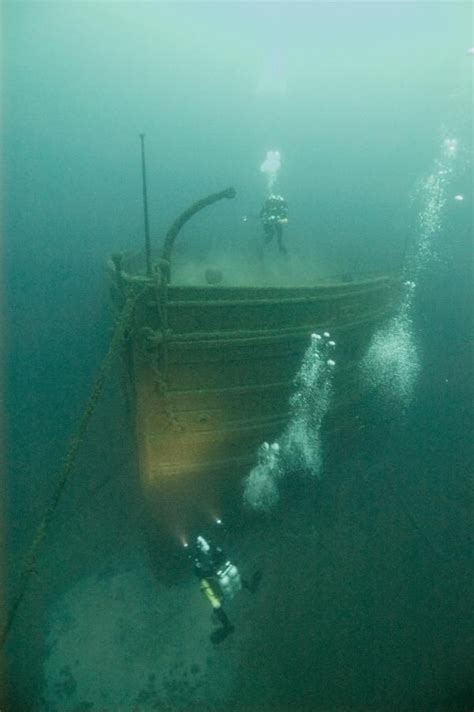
x=217, y=636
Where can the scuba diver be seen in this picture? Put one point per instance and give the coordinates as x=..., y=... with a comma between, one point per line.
x=274, y=214
x=219, y=579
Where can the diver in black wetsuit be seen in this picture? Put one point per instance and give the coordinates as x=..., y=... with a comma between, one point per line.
x=274, y=214
x=219, y=579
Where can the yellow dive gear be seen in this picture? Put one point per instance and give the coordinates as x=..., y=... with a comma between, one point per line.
x=210, y=594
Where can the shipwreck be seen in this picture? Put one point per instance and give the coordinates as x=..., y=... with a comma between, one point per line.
x=210, y=369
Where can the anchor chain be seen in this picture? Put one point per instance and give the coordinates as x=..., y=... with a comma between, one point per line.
x=151, y=343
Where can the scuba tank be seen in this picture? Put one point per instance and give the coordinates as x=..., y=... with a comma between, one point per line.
x=229, y=580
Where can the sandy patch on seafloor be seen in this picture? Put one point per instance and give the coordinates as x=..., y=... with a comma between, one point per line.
x=124, y=642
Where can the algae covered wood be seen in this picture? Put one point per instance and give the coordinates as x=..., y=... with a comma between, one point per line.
x=212, y=371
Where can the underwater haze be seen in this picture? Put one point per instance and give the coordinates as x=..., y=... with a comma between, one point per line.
x=360, y=115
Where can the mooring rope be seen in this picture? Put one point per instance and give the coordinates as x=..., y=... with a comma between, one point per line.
x=70, y=459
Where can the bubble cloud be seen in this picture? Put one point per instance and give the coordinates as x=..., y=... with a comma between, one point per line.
x=270, y=167
x=300, y=446
x=392, y=362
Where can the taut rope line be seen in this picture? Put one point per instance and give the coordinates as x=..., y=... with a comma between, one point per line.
x=70, y=459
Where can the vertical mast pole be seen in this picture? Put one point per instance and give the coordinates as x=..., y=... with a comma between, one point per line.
x=145, y=210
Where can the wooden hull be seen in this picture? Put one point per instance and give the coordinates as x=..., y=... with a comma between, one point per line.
x=215, y=384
